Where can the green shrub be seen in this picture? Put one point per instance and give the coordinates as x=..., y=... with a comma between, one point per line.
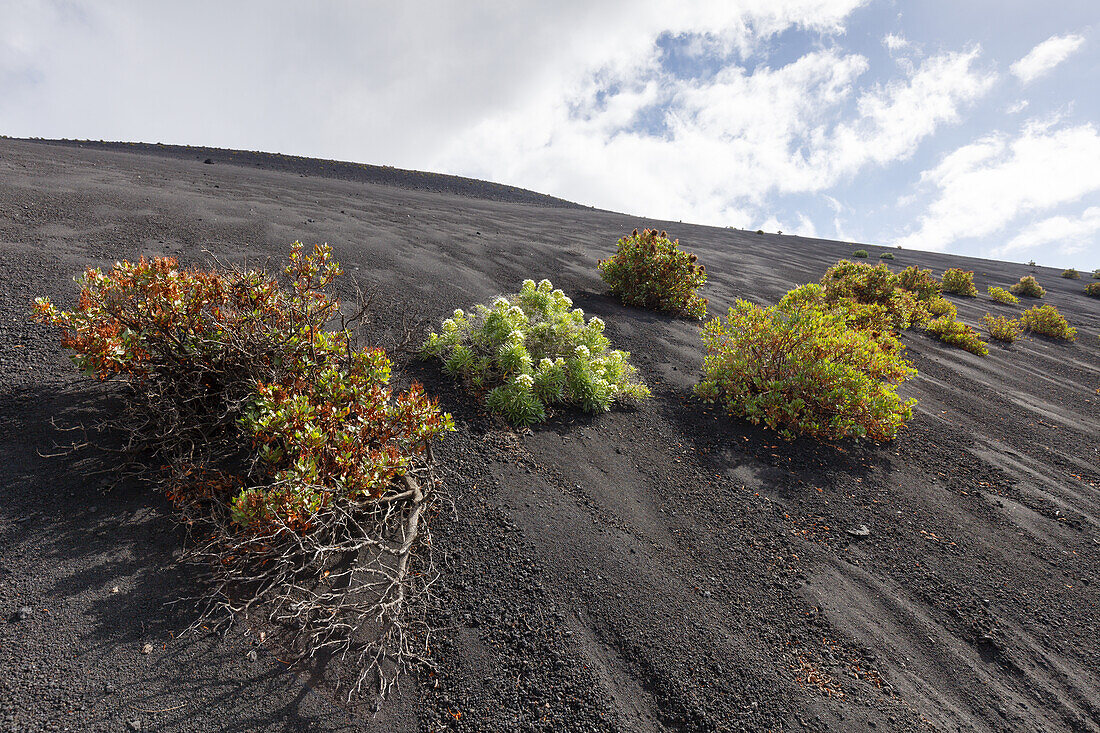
x=234, y=359
x=650, y=271
x=956, y=333
x=1002, y=296
x=533, y=350
x=1002, y=328
x=799, y=369
x=1028, y=287
x=861, y=253
x=871, y=291
x=959, y=282
x=921, y=283
x=1096, y=274
x=1048, y=321
x=940, y=307
x=1093, y=289
x=1071, y=274
x=886, y=256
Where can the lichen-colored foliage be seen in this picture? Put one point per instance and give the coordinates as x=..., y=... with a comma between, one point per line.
x=1046, y=320
x=886, y=256
x=1071, y=274
x=1096, y=274
x=861, y=253
x=1093, y=289
x=1029, y=287
x=799, y=368
x=939, y=307
x=959, y=282
x=315, y=420
x=648, y=270
x=531, y=350
x=1002, y=328
x=957, y=333
x=1002, y=296
x=921, y=283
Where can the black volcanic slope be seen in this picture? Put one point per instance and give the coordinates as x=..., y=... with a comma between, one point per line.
x=666, y=568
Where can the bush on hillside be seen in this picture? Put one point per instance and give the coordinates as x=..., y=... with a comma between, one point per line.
x=1028, y=287
x=921, y=283
x=873, y=290
x=1071, y=274
x=1002, y=328
x=532, y=350
x=1093, y=289
x=277, y=437
x=1002, y=296
x=800, y=369
x=886, y=256
x=959, y=282
x=861, y=253
x=1096, y=274
x=957, y=333
x=940, y=307
x=1047, y=321
x=648, y=270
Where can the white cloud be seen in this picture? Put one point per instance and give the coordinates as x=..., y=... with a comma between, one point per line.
x=1016, y=107
x=894, y=42
x=988, y=184
x=1046, y=56
x=1069, y=234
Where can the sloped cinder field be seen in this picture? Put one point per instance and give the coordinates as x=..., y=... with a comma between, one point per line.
x=665, y=568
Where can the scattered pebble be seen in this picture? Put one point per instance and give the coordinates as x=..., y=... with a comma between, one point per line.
x=147, y=649
x=861, y=531
x=22, y=614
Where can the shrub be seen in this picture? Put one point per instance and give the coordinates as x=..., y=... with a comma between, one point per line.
x=1093, y=289
x=940, y=307
x=861, y=253
x=872, y=290
x=1002, y=328
x=1002, y=296
x=1048, y=321
x=1028, y=287
x=959, y=282
x=1071, y=274
x=1096, y=274
x=921, y=283
x=886, y=256
x=801, y=369
x=281, y=442
x=956, y=333
x=532, y=350
x=650, y=271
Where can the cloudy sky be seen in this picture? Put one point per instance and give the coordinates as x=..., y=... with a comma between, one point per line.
x=967, y=126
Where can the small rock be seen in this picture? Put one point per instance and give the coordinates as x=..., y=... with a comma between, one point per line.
x=22, y=614
x=252, y=656
x=134, y=724
x=207, y=162
x=109, y=688
x=861, y=531
x=707, y=594
x=147, y=649
x=115, y=589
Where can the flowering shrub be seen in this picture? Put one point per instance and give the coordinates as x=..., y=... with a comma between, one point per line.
x=957, y=333
x=532, y=350
x=1093, y=289
x=861, y=253
x=1048, y=321
x=1002, y=328
x=959, y=282
x=1071, y=274
x=650, y=271
x=1002, y=296
x=798, y=368
x=1029, y=287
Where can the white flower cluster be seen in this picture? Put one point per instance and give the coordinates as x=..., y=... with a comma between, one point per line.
x=582, y=352
x=525, y=380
